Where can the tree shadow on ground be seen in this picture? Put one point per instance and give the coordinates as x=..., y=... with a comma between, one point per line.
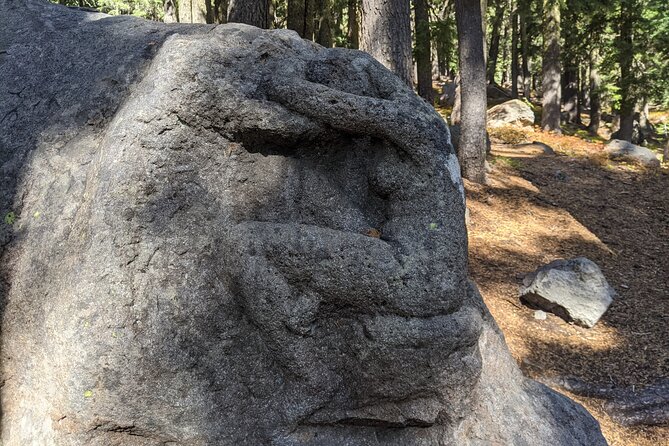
x=538, y=209
x=625, y=217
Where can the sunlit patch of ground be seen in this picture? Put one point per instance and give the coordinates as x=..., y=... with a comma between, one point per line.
x=577, y=203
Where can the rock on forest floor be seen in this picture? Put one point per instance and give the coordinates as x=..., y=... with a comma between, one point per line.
x=538, y=208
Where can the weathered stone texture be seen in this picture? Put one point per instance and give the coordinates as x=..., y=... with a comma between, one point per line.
x=231, y=236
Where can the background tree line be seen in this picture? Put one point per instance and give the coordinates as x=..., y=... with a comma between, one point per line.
x=602, y=59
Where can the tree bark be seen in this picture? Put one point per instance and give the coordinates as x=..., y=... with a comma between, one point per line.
x=423, y=49
x=595, y=86
x=582, y=91
x=195, y=11
x=484, y=29
x=220, y=11
x=457, y=102
x=386, y=35
x=323, y=31
x=251, y=12
x=628, y=11
x=514, y=53
x=170, y=10
x=523, y=14
x=301, y=17
x=472, y=146
x=493, y=49
x=505, y=49
x=551, y=88
x=643, y=115
x=570, y=96
x=353, y=24
x=338, y=21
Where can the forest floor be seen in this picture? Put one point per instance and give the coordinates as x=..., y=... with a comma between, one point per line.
x=538, y=208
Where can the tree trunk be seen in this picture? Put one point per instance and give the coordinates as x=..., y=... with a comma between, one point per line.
x=170, y=9
x=550, y=117
x=493, y=52
x=457, y=102
x=323, y=32
x=484, y=29
x=595, y=86
x=514, y=54
x=195, y=11
x=582, y=89
x=301, y=17
x=472, y=146
x=220, y=11
x=423, y=50
x=615, y=123
x=434, y=49
x=505, y=51
x=353, y=24
x=570, y=96
x=338, y=21
x=525, y=50
x=628, y=13
x=643, y=115
x=386, y=35
x=646, y=128
x=251, y=12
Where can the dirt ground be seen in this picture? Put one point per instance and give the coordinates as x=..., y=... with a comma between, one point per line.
x=539, y=208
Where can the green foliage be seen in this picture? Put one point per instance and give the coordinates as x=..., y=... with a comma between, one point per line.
x=652, y=48
x=280, y=8
x=444, y=34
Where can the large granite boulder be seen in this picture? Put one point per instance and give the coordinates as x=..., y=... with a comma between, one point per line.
x=224, y=235
x=513, y=112
x=574, y=289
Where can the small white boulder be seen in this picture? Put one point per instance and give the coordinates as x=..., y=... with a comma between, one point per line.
x=624, y=150
x=573, y=289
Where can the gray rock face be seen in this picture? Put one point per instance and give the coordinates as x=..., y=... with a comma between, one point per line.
x=223, y=235
x=513, y=112
x=573, y=289
x=620, y=149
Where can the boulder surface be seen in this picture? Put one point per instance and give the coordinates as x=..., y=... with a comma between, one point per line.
x=625, y=150
x=224, y=235
x=574, y=289
x=513, y=112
